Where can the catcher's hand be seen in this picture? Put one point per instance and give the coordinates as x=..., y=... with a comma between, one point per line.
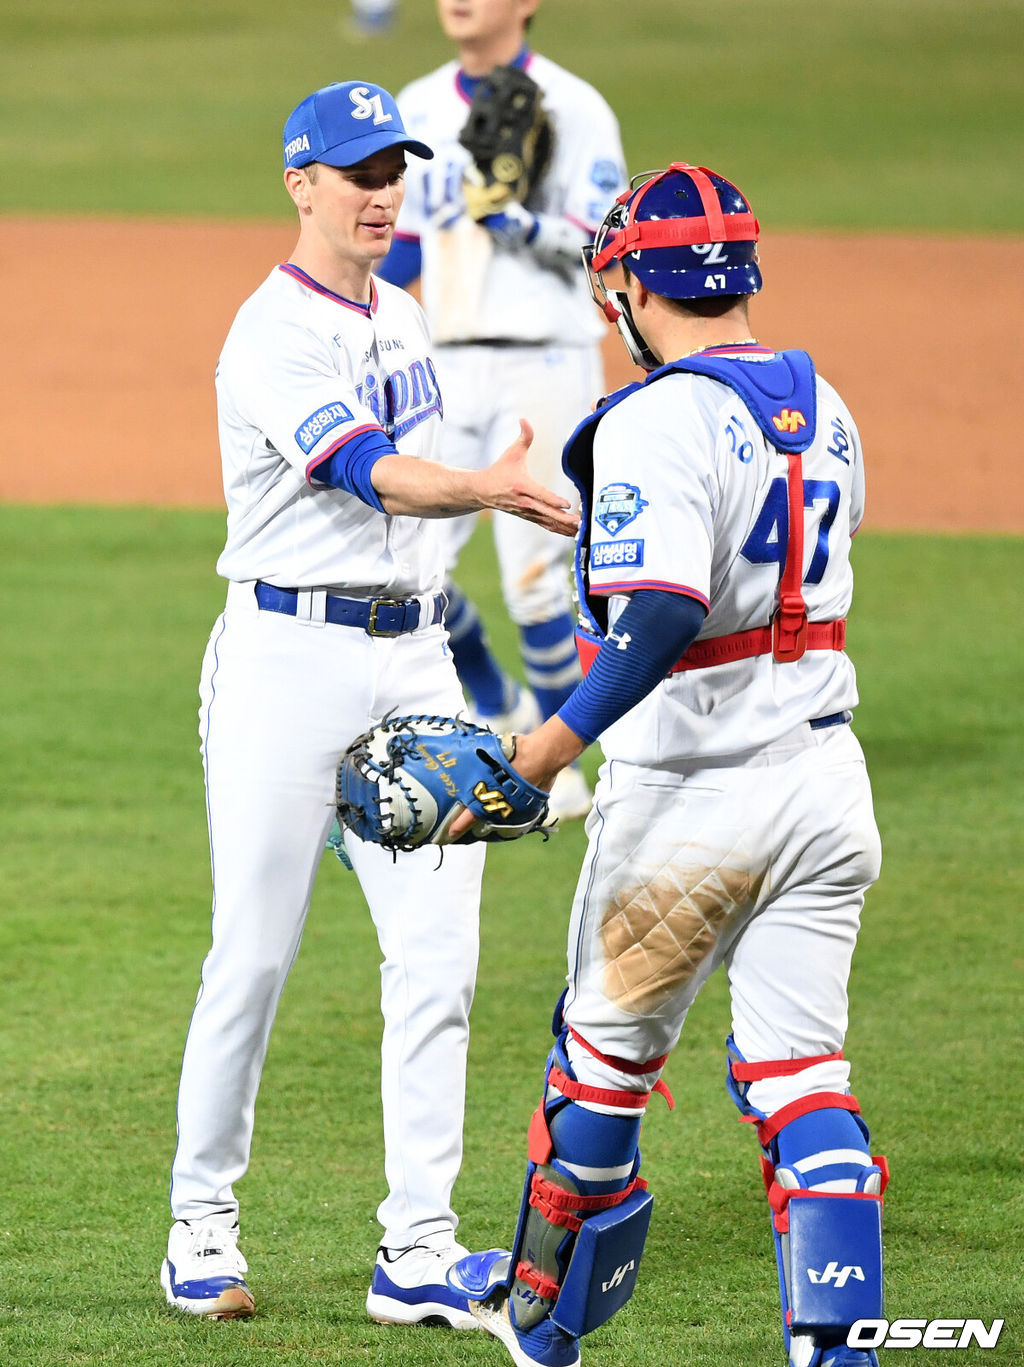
x=509, y=137
x=403, y=783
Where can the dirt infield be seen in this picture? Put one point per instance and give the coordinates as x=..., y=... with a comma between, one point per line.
x=112, y=329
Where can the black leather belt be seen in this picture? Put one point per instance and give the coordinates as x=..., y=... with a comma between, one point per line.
x=501, y=342
x=376, y=616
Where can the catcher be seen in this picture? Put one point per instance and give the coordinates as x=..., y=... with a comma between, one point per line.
x=732, y=823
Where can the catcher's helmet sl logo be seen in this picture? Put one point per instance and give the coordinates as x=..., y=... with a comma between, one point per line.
x=366, y=106
x=617, y=506
x=491, y=800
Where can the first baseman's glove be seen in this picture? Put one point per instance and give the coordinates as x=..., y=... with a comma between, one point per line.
x=509, y=137
x=402, y=784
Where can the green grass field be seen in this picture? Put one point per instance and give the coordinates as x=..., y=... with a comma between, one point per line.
x=860, y=114
x=104, y=884
x=840, y=113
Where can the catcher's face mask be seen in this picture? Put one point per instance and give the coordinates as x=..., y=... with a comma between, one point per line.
x=600, y=259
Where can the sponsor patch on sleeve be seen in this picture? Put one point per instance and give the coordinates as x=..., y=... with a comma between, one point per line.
x=604, y=553
x=322, y=421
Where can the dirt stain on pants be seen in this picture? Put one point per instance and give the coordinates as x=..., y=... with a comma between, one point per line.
x=657, y=933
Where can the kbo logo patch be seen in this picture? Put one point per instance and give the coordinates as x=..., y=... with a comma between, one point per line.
x=617, y=506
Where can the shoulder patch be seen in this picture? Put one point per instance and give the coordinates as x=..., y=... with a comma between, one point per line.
x=617, y=505
x=324, y=420
x=606, y=175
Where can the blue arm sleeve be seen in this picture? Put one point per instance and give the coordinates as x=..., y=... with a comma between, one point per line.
x=349, y=467
x=403, y=263
x=652, y=631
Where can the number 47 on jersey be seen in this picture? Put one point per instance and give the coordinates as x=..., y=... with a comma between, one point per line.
x=769, y=536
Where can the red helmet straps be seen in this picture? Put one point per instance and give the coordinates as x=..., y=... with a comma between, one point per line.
x=714, y=226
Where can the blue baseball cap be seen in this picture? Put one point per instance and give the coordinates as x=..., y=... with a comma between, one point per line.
x=344, y=123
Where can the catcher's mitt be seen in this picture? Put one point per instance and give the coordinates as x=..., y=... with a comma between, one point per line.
x=509, y=137
x=403, y=783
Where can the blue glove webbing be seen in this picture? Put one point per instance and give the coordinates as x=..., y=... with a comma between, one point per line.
x=660, y=625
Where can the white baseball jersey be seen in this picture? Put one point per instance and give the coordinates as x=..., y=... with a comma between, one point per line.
x=519, y=298
x=688, y=495
x=302, y=372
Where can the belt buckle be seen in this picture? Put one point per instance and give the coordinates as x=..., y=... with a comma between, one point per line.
x=371, y=627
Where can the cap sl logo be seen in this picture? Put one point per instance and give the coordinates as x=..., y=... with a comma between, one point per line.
x=789, y=420
x=367, y=106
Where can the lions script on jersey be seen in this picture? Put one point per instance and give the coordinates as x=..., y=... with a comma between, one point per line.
x=316, y=386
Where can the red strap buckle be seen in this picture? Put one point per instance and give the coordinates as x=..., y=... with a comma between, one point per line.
x=789, y=632
x=544, y=1286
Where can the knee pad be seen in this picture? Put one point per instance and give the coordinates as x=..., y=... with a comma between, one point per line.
x=585, y=1210
x=825, y=1192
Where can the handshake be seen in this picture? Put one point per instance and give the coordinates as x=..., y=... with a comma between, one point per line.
x=404, y=783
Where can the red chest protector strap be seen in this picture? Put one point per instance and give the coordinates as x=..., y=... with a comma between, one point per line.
x=789, y=625
x=789, y=635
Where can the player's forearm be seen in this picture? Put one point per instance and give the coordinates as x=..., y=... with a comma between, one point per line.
x=407, y=486
x=553, y=240
x=410, y=487
x=653, y=630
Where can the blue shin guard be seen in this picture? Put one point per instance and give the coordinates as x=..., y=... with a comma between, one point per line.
x=825, y=1191
x=584, y=1213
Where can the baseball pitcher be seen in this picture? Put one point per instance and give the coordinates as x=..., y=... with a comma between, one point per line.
x=329, y=415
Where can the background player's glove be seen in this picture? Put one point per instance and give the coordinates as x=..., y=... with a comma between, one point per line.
x=402, y=784
x=509, y=137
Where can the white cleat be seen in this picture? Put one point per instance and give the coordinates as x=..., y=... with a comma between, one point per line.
x=204, y=1272
x=409, y=1287
x=545, y=1345
x=570, y=795
x=520, y=716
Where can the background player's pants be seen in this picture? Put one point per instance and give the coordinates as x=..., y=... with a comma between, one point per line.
x=280, y=702
x=486, y=390
x=759, y=862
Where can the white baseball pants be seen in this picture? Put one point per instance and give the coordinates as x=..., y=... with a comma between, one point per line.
x=280, y=701
x=758, y=862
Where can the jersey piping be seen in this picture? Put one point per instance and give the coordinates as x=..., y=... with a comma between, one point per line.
x=297, y=273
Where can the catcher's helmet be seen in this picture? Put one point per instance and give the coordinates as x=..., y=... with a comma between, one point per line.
x=685, y=233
